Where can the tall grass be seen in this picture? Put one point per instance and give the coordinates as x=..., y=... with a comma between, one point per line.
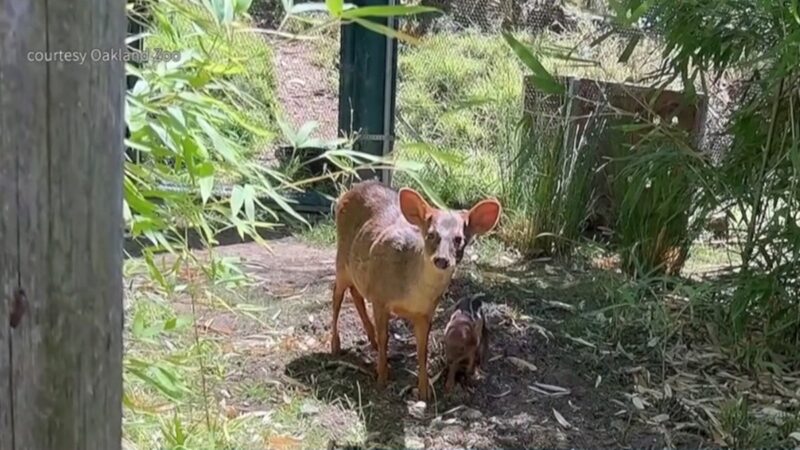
x=757, y=180
x=546, y=181
x=661, y=205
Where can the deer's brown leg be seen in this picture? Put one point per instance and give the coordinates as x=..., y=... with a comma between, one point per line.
x=422, y=328
x=382, y=338
x=338, y=297
x=361, y=307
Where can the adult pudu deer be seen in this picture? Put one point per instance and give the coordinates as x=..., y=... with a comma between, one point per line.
x=400, y=253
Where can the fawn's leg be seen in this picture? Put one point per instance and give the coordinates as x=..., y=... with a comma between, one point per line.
x=451, y=376
x=422, y=327
x=471, y=368
x=480, y=358
x=338, y=297
x=361, y=307
x=382, y=338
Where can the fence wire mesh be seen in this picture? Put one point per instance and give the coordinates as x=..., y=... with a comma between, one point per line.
x=461, y=88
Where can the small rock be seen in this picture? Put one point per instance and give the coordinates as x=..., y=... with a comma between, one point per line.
x=453, y=434
x=413, y=442
x=417, y=409
x=472, y=414
x=308, y=409
x=444, y=424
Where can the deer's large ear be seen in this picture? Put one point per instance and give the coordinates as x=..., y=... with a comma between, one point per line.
x=483, y=217
x=414, y=208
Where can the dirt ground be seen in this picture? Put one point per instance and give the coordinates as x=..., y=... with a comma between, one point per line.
x=543, y=387
x=304, y=91
x=570, y=406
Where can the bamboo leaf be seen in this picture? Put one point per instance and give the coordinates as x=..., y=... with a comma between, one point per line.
x=386, y=31
x=206, y=187
x=237, y=200
x=386, y=11
x=541, y=77
x=335, y=7
x=626, y=54
x=242, y=6
x=249, y=203
x=561, y=420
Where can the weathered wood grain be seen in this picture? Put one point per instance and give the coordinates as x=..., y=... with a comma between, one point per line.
x=62, y=122
x=8, y=230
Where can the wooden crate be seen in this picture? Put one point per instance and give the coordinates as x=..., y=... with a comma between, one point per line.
x=621, y=103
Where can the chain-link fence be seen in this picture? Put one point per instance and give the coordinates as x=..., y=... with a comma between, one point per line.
x=298, y=85
x=461, y=89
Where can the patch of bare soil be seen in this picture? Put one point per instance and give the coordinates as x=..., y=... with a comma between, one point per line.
x=304, y=91
x=539, y=389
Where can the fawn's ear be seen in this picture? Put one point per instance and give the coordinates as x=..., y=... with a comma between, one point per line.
x=483, y=217
x=414, y=208
x=475, y=304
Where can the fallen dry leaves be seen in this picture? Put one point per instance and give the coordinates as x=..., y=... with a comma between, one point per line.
x=699, y=383
x=522, y=364
x=561, y=420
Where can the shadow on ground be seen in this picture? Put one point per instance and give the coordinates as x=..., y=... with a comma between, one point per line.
x=544, y=385
x=539, y=389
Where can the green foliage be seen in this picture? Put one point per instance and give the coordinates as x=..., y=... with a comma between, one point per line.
x=546, y=183
x=542, y=79
x=245, y=56
x=450, y=96
x=321, y=234
x=742, y=429
x=661, y=210
x=196, y=123
x=170, y=377
x=757, y=181
x=185, y=131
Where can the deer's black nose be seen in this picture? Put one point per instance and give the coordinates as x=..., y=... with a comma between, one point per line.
x=441, y=263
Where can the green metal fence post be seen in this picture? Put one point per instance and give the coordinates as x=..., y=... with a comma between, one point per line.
x=367, y=81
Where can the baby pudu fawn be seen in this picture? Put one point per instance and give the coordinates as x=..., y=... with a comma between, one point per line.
x=466, y=340
x=399, y=253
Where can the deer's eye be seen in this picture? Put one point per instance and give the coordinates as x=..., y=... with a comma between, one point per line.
x=458, y=240
x=432, y=235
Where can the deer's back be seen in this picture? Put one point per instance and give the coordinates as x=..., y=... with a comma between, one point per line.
x=380, y=252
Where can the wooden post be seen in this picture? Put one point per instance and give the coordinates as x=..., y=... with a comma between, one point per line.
x=61, y=156
x=367, y=85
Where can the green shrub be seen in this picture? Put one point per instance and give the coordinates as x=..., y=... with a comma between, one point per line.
x=245, y=56
x=546, y=183
x=757, y=180
x=658, y=186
